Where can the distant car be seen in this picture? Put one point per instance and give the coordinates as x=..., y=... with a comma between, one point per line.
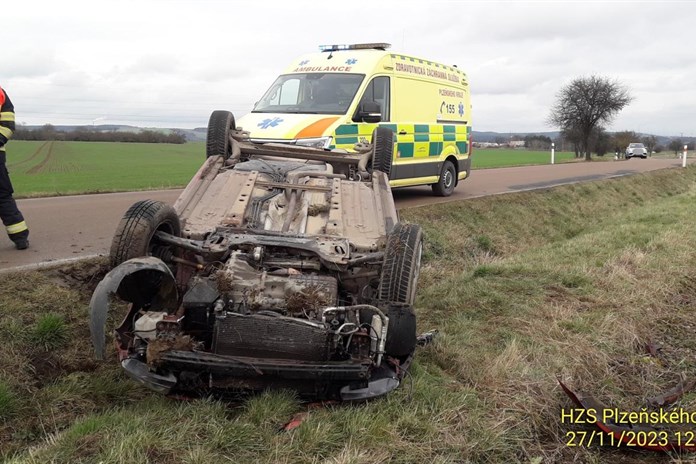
x=636, y=149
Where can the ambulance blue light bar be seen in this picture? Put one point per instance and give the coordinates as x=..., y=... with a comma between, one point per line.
x=365, y=46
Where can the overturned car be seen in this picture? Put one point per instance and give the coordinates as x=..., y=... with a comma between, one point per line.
x=278, y=267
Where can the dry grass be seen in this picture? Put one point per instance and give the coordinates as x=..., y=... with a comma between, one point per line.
x=575, y=282
x=583, y=306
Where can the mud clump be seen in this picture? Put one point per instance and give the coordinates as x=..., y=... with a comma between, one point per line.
x=225, y=283
x=83, y=276
x=310, y=299
x=157, y=347
x=316, y=210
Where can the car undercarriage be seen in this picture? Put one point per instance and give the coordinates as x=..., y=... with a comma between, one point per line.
x=277, y=267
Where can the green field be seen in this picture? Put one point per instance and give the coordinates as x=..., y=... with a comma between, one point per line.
x=64, y=168
x=576, y=282
x=503, y=157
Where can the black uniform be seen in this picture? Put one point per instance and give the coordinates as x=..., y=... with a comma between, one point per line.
x=12, y=218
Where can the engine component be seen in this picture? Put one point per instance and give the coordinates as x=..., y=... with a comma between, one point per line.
x=375, y=333
x=146, y=325
x=202, y=293
x=169, y=326
x=277, y=337
x=294, y=293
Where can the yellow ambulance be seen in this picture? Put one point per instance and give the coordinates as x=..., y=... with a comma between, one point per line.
x=337, y=97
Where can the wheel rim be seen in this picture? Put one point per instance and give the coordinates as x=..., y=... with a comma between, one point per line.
x=153, y=244
x=447, y=179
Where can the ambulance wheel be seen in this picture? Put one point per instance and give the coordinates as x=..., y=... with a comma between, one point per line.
x=135, y=234
x=220, y=124
x=448, y=180
x=401, y=267
x=383, y=145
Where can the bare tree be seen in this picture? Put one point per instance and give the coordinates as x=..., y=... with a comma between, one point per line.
x=571, y=135
x=600, y=141
x=675, y=145
x=650, y=141
x=622, y=139
x=584, y=104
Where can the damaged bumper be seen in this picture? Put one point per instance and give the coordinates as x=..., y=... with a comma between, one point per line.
x=141, y=373
x=252, y=367
x=355, y=381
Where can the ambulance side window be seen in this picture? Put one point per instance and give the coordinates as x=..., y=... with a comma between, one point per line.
x=378, y=91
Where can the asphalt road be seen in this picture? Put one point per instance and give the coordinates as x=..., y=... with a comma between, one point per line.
x=74, y=227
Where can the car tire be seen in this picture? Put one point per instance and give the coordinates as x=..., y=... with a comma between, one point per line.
x=447, y=181
x=134, y=235
x=397, y=287
x=401, y=267
x=644, y=157
x=401, y=333
x=220, y=124
x=383, y=145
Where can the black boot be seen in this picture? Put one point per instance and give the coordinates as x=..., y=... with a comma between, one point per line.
x=21, y=240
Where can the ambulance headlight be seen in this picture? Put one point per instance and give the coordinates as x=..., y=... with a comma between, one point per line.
x=319, y=142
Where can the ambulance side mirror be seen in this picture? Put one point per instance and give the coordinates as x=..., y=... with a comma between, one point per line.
x=370, y=112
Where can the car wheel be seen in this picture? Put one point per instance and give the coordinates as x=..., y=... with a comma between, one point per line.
x=383, y=145
x=448, y=180
x=644, y=156
x=401, y=266
x=397, y=287
x=401, y=333
x=220, y=124
x=134, y=235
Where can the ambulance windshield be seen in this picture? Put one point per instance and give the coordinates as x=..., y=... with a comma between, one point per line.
x=311, y=93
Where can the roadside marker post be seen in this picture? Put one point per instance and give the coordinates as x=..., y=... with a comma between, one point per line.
x=553, y=146
x=684, y=157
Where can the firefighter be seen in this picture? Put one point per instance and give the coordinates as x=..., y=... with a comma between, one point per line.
x=16, y=228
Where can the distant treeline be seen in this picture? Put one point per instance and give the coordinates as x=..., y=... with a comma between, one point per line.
x=88, y=134
x=537, y=142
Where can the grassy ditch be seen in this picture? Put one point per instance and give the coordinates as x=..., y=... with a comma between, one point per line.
x=572, y=282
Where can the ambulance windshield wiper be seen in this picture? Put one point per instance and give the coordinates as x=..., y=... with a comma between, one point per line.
x=286, y=112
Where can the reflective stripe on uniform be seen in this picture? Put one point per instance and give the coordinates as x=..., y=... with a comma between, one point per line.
x=17, y=228
x=6, y=132
x=7, y=116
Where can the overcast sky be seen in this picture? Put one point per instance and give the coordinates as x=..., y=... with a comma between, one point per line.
x=155, y=63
